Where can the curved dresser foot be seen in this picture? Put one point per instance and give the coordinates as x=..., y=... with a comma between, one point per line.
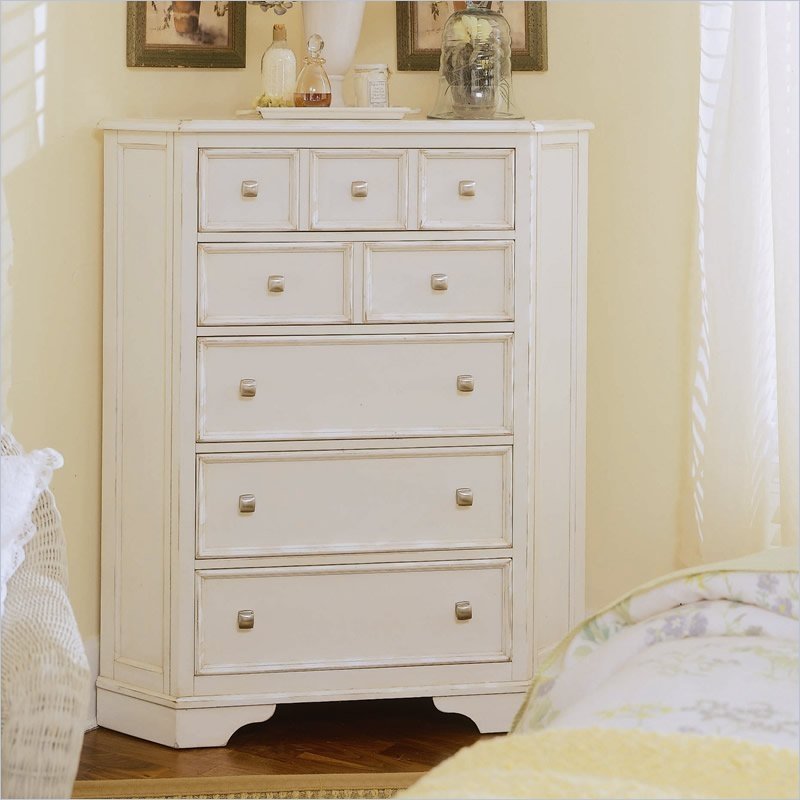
x=492, y=713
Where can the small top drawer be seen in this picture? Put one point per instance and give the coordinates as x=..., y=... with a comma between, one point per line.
x=248, y=190
x=466, y=189
x=359, y=190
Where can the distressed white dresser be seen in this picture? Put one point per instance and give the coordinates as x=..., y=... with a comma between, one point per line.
x=343, y=417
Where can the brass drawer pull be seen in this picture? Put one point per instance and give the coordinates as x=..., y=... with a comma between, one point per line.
x=465, y=383
x=249, y=188
x=246, y=619
x=247, y=503
x=247, y=387
x=464, y=610
x=464, y=497
x=276, y=284
x=466, y=188
x=359, y=188
x=439, y=282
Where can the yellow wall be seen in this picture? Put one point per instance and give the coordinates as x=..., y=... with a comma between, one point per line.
x=632, y=68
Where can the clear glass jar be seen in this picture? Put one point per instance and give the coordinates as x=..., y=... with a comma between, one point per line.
x=475, y=68
x=313, y=85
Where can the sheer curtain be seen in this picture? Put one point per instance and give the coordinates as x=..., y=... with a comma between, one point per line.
x=744, y=416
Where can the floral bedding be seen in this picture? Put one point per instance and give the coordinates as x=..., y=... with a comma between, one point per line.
x=713, y=651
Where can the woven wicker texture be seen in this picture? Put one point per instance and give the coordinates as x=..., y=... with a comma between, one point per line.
x=45, y=674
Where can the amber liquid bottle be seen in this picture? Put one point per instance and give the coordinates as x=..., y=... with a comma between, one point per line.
x=312, y=99
x=313, y=88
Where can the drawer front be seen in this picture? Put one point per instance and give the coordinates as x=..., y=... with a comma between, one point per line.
x=267, y=284
x=248, y=190
x=348, y=501
x=359, y=190
x=438, y=281
x=336, y=387
x=466, y=189
x=340, y=617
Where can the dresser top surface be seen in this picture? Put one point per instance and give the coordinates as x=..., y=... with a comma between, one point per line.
x=228, y=125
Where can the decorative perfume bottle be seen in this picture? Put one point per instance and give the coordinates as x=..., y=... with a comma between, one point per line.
x=313, y=86
x=278, y=71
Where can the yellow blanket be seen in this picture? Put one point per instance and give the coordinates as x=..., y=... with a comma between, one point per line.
x=603, y=763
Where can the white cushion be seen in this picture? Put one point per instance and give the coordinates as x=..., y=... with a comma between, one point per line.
x=22, y=480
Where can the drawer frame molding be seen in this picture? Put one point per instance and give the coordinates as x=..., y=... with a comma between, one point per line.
x=506, y=245
x=503, y=654
x=257, y=154
x=204, y=319
x=271, y=435
x=400, y=221
x=428, y=155
x=504, y=540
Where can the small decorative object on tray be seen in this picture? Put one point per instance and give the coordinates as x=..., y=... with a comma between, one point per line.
x=371, y=83
x=278, y=71
x=475, y=68
x=313, y=86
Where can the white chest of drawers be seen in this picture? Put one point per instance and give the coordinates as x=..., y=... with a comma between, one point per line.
x=343, y=416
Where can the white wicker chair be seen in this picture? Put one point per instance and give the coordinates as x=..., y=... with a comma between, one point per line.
x=45, y=674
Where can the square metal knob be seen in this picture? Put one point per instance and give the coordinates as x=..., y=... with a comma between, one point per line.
x=464, y=497
x=246, y=619
x=439, y=282
x=466, y=188
x=464, y=610
x=247, y=503
x=247, y=387
x=465, y=383
x=359, y=188
x=276, y=284
x=249, y=188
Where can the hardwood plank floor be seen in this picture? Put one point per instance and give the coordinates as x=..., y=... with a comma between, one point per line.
x=314, y=738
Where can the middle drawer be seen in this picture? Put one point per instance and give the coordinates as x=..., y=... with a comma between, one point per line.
x=340, y=387
x=349, y=501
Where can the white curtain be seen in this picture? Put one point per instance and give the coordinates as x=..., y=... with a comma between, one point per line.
x=744, y=470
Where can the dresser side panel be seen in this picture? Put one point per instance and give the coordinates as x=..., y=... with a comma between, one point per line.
x=559, y=363
x=137, y=407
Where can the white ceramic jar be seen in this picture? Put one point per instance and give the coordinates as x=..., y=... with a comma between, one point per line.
x=371, y=82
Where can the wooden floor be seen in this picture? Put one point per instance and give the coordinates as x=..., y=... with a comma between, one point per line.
x=351, y=737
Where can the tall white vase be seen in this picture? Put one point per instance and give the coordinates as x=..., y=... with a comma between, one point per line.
x=338, y=22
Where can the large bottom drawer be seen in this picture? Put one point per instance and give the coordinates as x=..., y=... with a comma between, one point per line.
x=363, y=615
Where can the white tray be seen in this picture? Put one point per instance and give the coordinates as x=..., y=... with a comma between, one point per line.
x=344, y=112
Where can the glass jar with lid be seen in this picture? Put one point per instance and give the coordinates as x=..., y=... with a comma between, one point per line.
x=475, y=67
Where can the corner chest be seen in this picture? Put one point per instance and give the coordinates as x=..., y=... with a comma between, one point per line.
x=343, y=417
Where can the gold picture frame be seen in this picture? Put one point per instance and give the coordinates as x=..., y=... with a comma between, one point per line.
x=186, y=34
x=412, y=55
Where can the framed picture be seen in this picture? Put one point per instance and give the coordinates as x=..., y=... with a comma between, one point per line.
x=420, y=25
x=175, y=34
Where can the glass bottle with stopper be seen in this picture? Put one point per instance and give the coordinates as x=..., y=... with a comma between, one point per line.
x=313, y=85
x=278, y=71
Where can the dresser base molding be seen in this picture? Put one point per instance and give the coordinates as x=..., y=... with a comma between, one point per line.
x=492, y=713
x=175, y=727
x=182, y=722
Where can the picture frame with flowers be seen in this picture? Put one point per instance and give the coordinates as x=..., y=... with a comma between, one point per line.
x=208, y=34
